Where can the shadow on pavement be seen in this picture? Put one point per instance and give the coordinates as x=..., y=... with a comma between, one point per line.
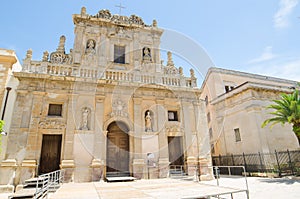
x=280, y=180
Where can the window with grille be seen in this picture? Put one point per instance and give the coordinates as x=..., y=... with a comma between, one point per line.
x=55, y=110
x=119, y=54
x=172, y=116
x=237, y=135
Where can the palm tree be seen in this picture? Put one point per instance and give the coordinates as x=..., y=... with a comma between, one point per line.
x=287, y=110
x=1, y=126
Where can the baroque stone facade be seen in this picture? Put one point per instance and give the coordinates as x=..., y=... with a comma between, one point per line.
x=106, y=107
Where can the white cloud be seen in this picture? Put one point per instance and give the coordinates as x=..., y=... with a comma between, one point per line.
x=266, y=55
x=281, y=16
x=280, y=67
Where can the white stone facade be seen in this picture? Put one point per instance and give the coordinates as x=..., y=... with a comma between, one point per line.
x=236, y=104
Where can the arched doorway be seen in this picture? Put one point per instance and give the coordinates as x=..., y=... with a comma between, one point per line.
x=117, y=153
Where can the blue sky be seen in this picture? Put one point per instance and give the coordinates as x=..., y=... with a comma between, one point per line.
x=257, y=36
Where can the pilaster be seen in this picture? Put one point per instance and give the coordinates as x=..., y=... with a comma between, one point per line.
x=7, y=171
x=100, y=135
x=163, y=162
x=138, y=128
x=28, y=170
x=70, y=129
x=97, y=170
x=68, y=166
x=139, y=166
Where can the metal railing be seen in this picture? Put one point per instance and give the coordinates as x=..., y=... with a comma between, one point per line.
x=280, y=162
x=176, y=169
x=217, y=174
x=48, y=182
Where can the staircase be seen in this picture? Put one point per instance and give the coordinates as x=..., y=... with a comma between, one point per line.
x=40, y=186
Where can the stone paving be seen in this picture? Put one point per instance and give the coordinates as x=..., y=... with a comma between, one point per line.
x=259, y=188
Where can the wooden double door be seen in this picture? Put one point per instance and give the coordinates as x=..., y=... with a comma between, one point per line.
x=176, y=156
x=50, y=153
x=117, y=149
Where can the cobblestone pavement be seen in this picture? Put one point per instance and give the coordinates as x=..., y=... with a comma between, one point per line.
x=259, y=188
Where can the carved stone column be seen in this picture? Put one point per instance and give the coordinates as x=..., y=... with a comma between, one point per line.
x=99, y=141
x=7, y=171
x=97, y=170
x=28, y=170
x=138, y=162
x=163, y=162
x=68, y=166
x=34, y=140
x=70, y=129
x=190, y=144
x=204, y=155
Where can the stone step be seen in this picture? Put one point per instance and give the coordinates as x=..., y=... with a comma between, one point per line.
x=120, y=179
x=28, y=193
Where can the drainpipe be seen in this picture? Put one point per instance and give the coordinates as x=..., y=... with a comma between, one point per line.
x=5, y=103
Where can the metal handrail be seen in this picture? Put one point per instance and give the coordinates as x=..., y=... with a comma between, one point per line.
x=217, y=173
x=47, y=181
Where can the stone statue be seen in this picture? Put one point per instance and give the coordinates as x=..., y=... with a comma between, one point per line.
x=147, y=55
x=192, y=73
x=45, y=56
x=83, y=11
x=154, y=23
x=90, y=47
x=85, y=115
x=61, y=45
x=29, y=54
x=180, y=71
x=148, y=122
x=170, y=59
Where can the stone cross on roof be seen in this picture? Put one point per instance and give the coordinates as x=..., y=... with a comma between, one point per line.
x=120, y=8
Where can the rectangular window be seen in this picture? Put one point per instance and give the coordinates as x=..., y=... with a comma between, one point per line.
x=172, y=116
x=119, y=54
x=55, y=110
x=227, y=89
x=237, y=135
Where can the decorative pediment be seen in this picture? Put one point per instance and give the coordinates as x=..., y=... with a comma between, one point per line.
x=59, y=56
x=171, y=70
x=52, y=124
x=117, y=19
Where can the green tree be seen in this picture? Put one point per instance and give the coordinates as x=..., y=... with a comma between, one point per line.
x=286, y=110
x=1, y=126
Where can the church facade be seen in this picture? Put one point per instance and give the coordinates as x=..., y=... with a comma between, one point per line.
x=108, y=107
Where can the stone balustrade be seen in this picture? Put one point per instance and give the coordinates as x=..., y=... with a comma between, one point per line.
x=109, y=74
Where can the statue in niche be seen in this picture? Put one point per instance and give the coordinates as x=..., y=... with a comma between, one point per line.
x=146, y=55
x=90, y=47
x=85, y=116
x=148, y=122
